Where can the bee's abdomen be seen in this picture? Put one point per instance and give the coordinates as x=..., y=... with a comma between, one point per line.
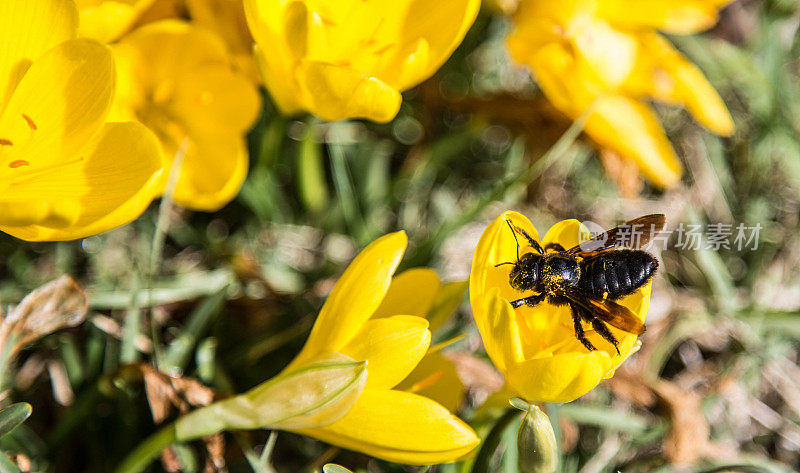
x=617, y=273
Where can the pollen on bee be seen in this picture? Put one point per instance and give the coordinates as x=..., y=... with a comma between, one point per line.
x=18, y=163
x=30, y=122
x=5, y=142
x=605, y=295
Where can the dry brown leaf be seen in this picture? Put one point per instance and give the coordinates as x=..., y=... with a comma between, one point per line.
x=215, y=446
x=58, y=304
x=164, y=392
x=688, y=439
x=631, y=388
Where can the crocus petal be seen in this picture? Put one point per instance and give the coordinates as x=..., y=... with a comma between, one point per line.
x=447, y=301
x=60, y=103
x=274, y=60
x=111, y=184
x=566, y=233
x=411, y=292
x=609, y=54
x=672, y=78
x=167, y=47
x=435, y=377
x=500, y=332
x=442, y=25
x=400, y=427
x=28, y=28
x=561, y=76
x=630, y=128
x=213, y=97
x=228, y=21
x=213, y=170
x=392, y=347
x=560, y=378
x=339, y=92
x=672, y=16
x=107, y=20
x=355, y=297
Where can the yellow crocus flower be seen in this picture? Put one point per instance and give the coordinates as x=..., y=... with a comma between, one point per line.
x=65, y=172
x=352, y=58
x=386, y=423
x=177, y=79
x=608, y=53
x=348, y=386
x=535, y=347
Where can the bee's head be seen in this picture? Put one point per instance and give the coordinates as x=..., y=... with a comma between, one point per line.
x=525, y=273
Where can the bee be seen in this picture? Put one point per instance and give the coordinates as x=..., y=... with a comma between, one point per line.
x=590, y=277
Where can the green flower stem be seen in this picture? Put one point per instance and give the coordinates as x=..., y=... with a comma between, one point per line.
x=484, y=457
x=148, y=450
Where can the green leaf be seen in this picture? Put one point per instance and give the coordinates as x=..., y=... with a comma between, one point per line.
x=12, y=416
x=333, y=468
x=180, y=350
x=484, y=460
x=311, y=174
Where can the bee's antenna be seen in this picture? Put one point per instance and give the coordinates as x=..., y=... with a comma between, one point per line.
x=513, y=232
x=501, y=264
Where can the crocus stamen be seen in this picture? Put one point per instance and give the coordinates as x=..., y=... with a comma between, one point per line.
x=383, y=49
x=30, y=122
x=18, y=163
x=426, y=382
x=26, y=176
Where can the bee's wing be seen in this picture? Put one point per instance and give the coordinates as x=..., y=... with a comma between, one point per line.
x=607, y=310
x=632, y=234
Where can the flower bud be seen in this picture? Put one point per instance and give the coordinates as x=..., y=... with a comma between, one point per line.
x=536, y=441
x=315, y=394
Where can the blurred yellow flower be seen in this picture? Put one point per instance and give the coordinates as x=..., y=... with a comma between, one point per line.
x=65, y=172
x=535, y=347
x=608, y=53
x=107, y=20
x=386, y=423
x=226, y=18
x=176, y=79
x=352, y=58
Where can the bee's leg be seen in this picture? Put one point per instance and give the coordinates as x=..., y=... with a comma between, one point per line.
x=534, y=244
x=530, y=301
x=554, y=247
x=600, y=327
x=576, y=320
